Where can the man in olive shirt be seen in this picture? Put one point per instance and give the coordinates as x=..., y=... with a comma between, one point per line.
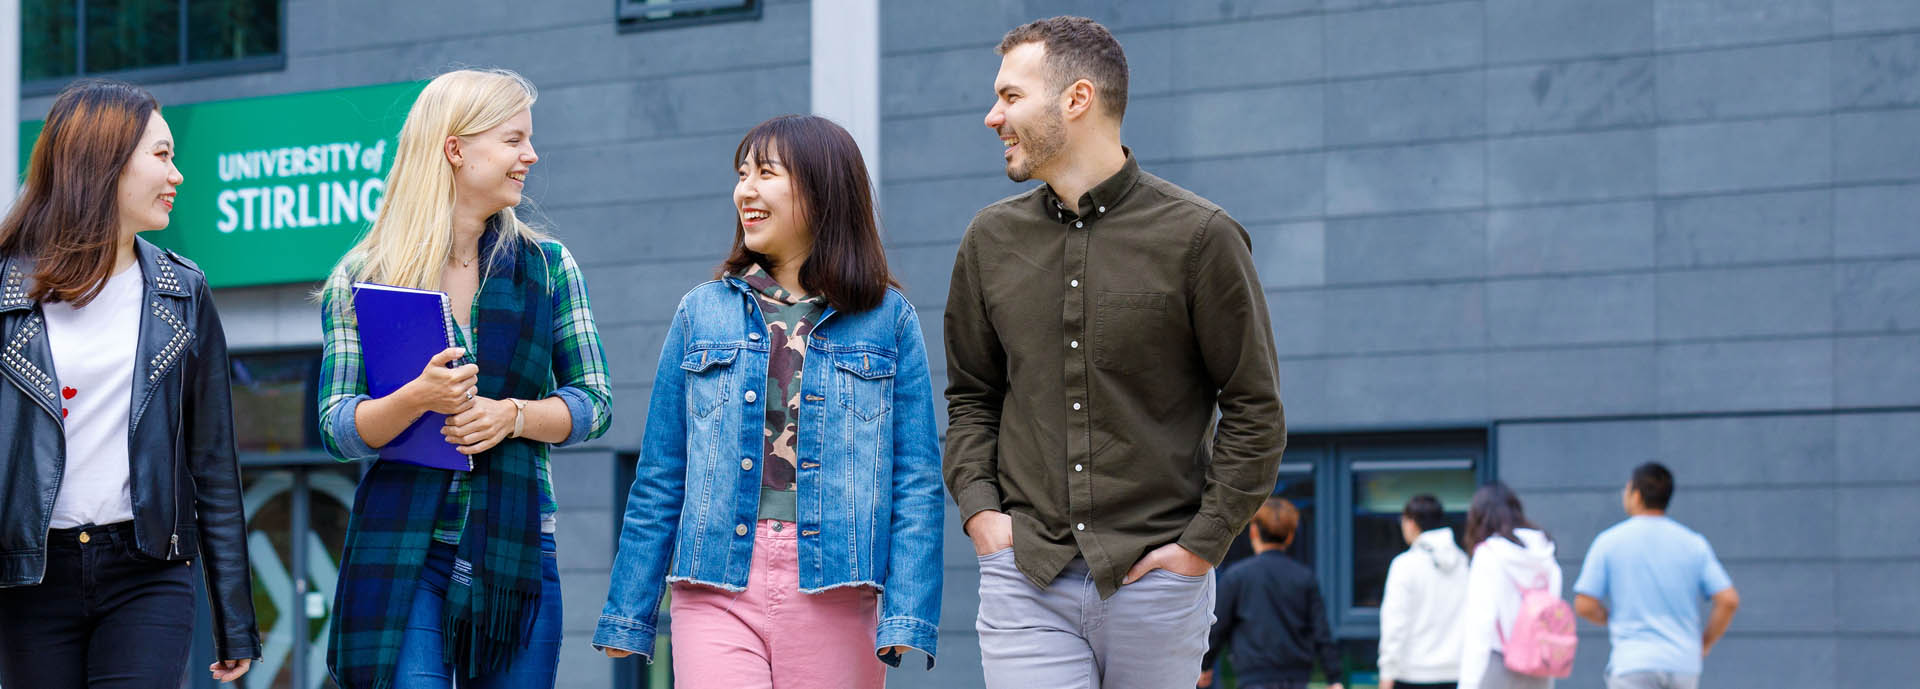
x=1094, y=325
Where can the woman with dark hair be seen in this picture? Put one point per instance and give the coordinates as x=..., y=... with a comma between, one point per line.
x=790, y=473
x=119, y=467
x=1509, y=553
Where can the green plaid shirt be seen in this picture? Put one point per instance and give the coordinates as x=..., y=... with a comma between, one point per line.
x=579, y=374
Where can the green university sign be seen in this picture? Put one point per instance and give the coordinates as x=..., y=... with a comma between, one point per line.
x=277, y=188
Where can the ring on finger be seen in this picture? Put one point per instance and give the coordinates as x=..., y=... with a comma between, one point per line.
x=469, y=393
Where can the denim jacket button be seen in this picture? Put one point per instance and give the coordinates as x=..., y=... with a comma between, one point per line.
x=740, y=530
x=753, y=336
x=750, y=396
x=746, y=465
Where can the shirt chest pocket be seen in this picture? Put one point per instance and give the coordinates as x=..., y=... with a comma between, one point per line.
x=1126, y=329
x=865, y=382
x=710, y=379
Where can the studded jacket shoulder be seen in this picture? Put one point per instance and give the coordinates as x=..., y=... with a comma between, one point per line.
x=185, y=478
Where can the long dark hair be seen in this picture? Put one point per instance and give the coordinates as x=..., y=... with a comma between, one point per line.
x=68, y=215
x=847, y=265
x=1496, y=511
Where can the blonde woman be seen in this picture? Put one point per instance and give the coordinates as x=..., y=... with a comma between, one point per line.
x=450, y=576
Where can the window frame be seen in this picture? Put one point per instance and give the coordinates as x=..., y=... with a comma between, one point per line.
x=1333, y=457
x=630, y=17
x=180, y=71
x=312, y=455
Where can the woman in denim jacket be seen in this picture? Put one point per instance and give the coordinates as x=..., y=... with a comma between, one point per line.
x=789, y=486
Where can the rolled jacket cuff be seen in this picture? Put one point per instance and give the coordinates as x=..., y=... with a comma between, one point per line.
x=625, y=635
x=1207, y=537
x=906, y=631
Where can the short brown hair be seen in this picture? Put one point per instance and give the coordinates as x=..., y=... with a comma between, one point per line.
x=68, y=215
x=1276, y=521
x=1077, y=48
x=848, y=263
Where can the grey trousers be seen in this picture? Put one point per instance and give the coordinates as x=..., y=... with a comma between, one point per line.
x=1150, y=635
x=1653, y=680
x=1499, y=677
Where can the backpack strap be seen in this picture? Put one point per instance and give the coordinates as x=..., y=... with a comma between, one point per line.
x=1540, y=581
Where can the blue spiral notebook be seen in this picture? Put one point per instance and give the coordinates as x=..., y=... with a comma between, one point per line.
x=400, y=330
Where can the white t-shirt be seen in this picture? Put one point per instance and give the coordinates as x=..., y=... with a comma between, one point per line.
x=93, y=357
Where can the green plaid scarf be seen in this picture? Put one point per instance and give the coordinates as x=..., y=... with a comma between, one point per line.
x=494, y=592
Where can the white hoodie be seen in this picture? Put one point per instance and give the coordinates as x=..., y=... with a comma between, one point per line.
x=1492, y=598
x=1426, y=589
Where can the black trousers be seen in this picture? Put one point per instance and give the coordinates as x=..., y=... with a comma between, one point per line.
x=104, y=617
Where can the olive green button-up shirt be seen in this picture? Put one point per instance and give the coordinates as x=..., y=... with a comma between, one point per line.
x=1088, y=348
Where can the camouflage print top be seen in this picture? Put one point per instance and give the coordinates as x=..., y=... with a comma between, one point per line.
x=789, y=320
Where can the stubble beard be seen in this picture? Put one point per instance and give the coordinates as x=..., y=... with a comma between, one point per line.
x=1038, y=150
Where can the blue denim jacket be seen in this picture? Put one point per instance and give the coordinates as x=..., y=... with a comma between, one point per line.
x=869, y=485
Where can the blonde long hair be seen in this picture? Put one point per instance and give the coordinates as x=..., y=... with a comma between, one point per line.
x=409, y=242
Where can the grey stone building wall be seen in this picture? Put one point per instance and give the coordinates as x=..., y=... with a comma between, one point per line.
x=1607, y=231
x=1685, y=230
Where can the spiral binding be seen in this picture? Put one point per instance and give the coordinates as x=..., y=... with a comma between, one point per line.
x=446, y=315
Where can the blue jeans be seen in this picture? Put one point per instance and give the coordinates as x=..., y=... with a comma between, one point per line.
x=421, y=666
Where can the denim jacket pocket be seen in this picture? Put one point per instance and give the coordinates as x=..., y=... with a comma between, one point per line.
x=866, y=382
x=709, y=378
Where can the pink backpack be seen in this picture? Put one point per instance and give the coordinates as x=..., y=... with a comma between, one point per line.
x=1543, y=637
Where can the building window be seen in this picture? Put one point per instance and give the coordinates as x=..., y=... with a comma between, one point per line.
x=1350, y=489
x=275, y=403
x=145, y=40
x=637, y=15
x=1381, y=488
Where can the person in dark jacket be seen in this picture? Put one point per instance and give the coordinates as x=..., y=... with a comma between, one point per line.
x=118, y=481
x=1269, y=615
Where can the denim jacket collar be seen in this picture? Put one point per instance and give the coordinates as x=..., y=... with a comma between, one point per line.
x=753, y=302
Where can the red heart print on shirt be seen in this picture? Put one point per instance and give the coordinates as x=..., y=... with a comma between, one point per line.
x=66, y=393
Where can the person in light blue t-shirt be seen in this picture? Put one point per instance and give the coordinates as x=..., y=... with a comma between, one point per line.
x=1644, y=579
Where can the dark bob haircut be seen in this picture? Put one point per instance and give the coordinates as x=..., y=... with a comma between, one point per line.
x=848, y=264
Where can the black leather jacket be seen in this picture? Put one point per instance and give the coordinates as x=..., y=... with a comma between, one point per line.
x=185, y=481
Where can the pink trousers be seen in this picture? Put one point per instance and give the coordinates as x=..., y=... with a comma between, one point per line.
x=772, y=636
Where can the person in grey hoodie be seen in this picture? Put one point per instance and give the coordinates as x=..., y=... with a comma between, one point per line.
x=1426, y=589
x=1507, y=551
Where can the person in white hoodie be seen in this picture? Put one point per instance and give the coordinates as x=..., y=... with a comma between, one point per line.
x=1507, y=551
x=1426, y=590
